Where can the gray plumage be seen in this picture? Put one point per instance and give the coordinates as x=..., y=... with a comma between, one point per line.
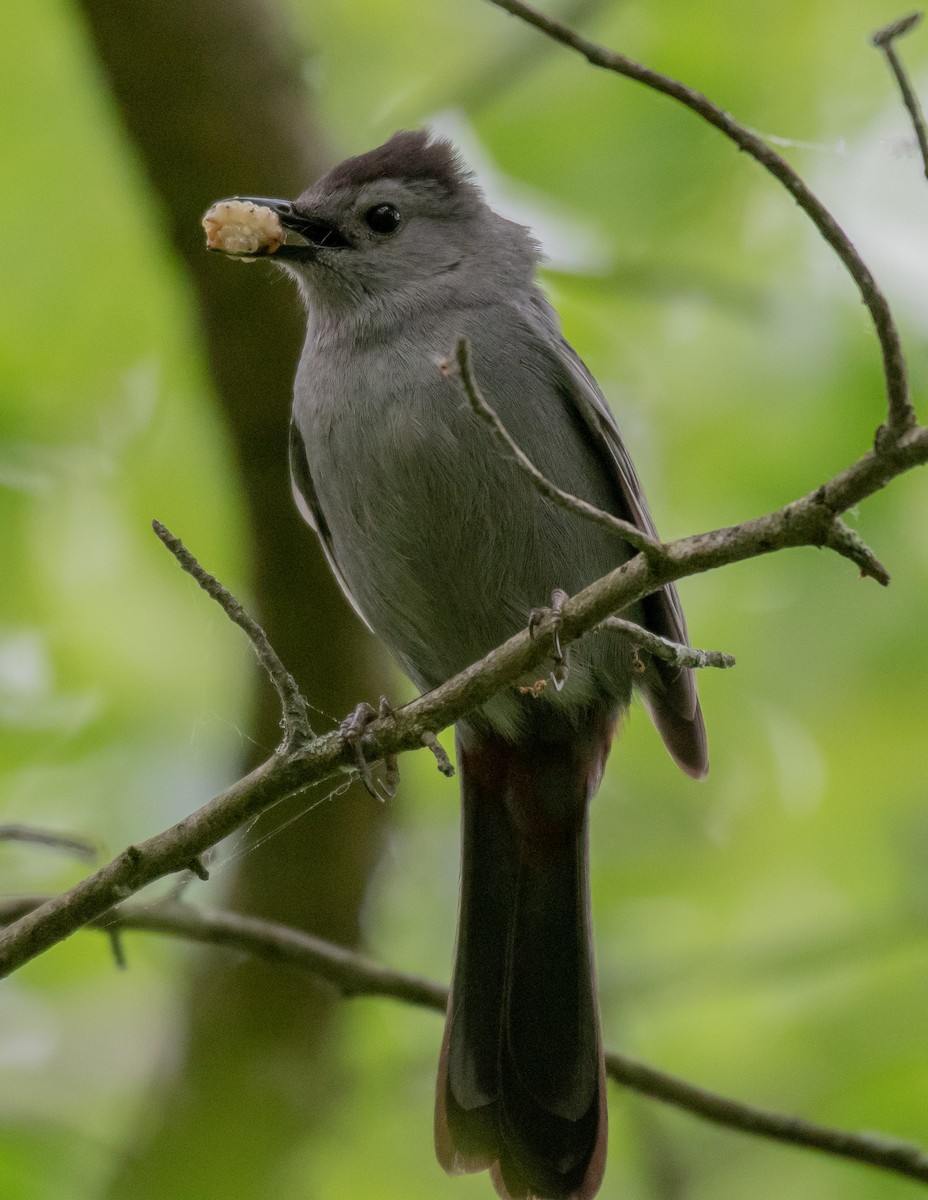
x=444, y=547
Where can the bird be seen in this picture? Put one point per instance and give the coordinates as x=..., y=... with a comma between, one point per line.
x=445, y=548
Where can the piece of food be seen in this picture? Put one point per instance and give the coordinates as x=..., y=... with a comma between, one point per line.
x=241, y=228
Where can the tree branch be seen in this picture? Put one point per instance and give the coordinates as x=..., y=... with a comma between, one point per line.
x=663, y=648
x=902, y=1158
x=839, y=537
x=79, y=847
x=901, y=415
x=295, y=713
x=883, y=39
x=630, y=533
x=355, y=975
x=809, y=521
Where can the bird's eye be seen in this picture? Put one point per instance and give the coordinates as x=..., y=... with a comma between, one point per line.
x=383, y=218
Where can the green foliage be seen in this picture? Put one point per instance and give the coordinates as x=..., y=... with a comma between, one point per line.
x=763, y=933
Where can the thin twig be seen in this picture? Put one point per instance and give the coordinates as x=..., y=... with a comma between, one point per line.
x=479, y=403
x=355, y=975
x=675, y=653
x=198, y=867
x=430, y=741
x=883, y=39
x=837, y=536
x=901, y=415
x=76, y=846
x=295, y=713
x=902, y=1158
x=848, y=543
x=114, y=933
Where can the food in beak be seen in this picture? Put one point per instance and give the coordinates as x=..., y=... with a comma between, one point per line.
x=243, y=229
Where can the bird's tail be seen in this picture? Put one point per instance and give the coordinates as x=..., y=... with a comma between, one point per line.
x=521, y=1084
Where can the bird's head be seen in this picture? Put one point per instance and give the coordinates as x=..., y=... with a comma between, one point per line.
x=400, y=228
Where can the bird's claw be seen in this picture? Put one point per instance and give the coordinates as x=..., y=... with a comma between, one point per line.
x=555, y=611
x=351, y=731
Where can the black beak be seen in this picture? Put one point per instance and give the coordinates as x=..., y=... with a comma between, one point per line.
x=316, y=233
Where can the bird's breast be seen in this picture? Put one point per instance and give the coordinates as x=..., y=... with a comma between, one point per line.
x=443, y=542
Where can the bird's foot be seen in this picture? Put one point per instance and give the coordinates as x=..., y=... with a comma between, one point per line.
x=351, y=731
x=556, y=613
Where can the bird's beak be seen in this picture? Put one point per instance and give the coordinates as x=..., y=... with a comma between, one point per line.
x=315, y=232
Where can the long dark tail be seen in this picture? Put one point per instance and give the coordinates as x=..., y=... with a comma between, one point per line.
x=521, y=1084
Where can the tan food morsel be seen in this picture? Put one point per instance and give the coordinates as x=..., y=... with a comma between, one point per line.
x=241, y=228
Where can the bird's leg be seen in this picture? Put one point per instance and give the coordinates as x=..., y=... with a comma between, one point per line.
x=351, y=731
x=558, y=599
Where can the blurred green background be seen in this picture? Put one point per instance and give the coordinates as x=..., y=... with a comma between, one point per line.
x=764, y=933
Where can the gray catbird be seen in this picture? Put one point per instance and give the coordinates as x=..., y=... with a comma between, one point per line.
x=444, y=547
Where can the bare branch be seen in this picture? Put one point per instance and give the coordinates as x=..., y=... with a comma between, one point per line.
x=895, y=29
x=842, y=539
x=116, y=946
x=47, y=837
x=837, y=536
x=902, y=1158
x=478, y=402
x=295, y=713
x=197, y=867
x=805, y=522
x=441, y=755
x=883, y=39
x=349, y=971
x=674, y=653
x=355, y=975
x=901, y=415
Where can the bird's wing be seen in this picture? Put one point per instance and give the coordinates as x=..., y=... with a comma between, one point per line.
x=670, y=692
x=304, y=493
